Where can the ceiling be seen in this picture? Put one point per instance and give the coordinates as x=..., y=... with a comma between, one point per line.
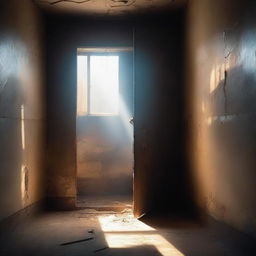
x=107, y=7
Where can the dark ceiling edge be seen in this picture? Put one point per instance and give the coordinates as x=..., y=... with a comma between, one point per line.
x=159, y=15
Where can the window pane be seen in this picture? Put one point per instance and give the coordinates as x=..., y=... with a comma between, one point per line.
x=81, y=85
x=104, y=85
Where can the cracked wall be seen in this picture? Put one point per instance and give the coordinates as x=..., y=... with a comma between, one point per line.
x=221, y=95
x=21, y=106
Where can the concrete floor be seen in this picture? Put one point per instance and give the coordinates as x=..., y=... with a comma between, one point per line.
x=90, y=232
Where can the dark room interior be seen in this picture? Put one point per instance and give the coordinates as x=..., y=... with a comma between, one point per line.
x=127, y=127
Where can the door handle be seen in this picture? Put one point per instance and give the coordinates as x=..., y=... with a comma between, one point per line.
x=131, y=121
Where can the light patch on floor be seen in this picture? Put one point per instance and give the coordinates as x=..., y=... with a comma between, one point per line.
x=132, y=240
x=125, y=231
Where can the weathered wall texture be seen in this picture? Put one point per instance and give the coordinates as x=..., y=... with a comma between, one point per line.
x=21, y=106
x=221, y=90
x=65, y=35
x=105, y=143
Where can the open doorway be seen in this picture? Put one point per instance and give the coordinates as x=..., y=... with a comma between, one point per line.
x=104, y=138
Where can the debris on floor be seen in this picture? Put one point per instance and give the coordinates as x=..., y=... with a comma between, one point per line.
x=101, y=249
x=91, y=231
x=78, y=241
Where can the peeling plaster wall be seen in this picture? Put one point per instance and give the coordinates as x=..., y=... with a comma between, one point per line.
x=21, y=106
x=221, y=81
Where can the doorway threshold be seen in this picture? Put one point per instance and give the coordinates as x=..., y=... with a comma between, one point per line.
x=105, y=203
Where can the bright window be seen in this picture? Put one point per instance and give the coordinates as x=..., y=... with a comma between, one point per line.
x=97, y=84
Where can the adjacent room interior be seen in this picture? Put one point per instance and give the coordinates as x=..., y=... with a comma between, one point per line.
x=104, y=129
x=127, y=127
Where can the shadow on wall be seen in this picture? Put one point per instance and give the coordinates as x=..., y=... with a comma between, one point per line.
x=162, y=182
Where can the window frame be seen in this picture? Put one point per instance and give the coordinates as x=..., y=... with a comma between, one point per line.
x=94, y=51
